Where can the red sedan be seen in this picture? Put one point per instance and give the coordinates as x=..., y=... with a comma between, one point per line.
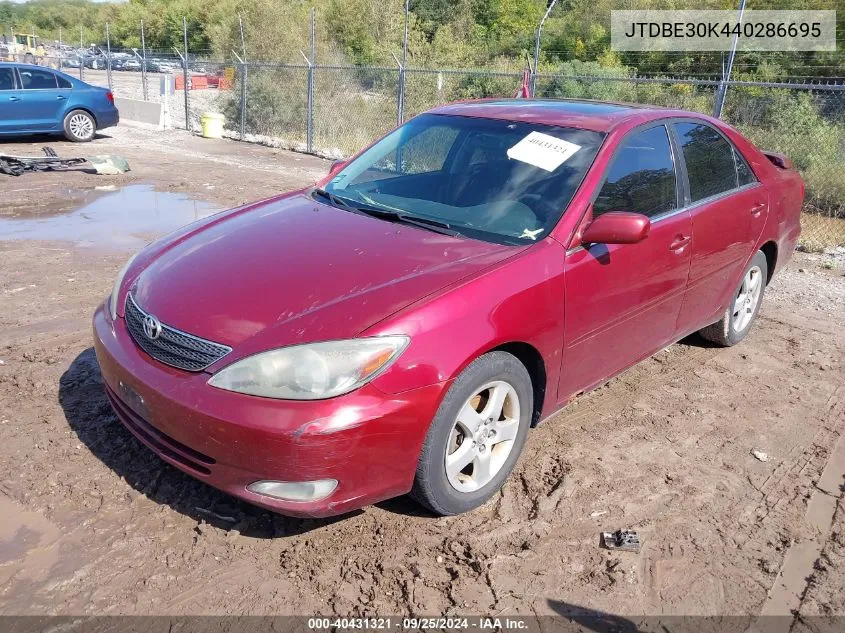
x=400, y=327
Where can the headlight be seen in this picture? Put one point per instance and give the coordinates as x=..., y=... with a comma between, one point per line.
x=311, y=372
x=116, y=290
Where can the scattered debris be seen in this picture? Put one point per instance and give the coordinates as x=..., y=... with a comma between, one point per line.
x=763, y=457
x=109, y=165
x=221, y=517
x=597, y=513
x=103, y=164
x=621, y=539
x=16, y=165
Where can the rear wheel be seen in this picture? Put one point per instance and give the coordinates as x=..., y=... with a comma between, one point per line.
x=476, y=436
x=742, y=312
x=79, y=126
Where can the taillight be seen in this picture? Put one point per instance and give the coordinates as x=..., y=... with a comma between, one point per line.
x=110, y=97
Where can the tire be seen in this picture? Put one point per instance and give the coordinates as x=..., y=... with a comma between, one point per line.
x=494, y=377
x=737, y=320
x=79, y=126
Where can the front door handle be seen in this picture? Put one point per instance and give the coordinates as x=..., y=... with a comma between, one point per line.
x=14, y=98
x=757, y=209
x=679, y=242
x=61, y=98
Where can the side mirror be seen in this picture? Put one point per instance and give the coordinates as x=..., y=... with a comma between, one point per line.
x=336, y=166
x=617, y=227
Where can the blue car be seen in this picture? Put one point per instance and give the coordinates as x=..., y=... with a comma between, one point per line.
x=38, y=100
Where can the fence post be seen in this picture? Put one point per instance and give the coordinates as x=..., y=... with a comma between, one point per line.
x=144, y=63
x=81, y=55
x=244, y=76
x=185, y=73
x=309, y=140
x=726, y=74
x=309, y=106
x=108, y=57
x=400, y=92
x=400, y=98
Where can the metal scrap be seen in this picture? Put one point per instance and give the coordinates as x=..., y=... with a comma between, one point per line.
x=621, y=539
x=17, y=165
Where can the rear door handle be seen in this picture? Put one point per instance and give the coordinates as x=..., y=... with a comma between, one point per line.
x=757, y=209
x=679, y=242
x=14, y=98
x=61, y=98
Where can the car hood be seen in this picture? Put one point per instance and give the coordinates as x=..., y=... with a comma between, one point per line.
x=294, y=270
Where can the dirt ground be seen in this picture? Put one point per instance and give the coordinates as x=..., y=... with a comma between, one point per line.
x=91, y=522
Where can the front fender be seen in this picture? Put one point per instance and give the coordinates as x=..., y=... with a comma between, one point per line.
x=520, y=300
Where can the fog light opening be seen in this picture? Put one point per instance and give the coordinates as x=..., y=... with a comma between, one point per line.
x=294, y=490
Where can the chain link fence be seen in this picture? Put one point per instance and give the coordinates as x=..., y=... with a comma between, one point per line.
x=337, y=110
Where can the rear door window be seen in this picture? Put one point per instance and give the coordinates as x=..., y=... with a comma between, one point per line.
x=711, y=161
x=36, y=79
x=744, y=175
x=63, y=83
x=642, y=176
x=7, y=79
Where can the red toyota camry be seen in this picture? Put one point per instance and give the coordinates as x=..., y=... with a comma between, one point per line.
x=401, y=326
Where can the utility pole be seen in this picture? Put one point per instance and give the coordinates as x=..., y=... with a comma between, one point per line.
x=400, y=101
x=537, y=45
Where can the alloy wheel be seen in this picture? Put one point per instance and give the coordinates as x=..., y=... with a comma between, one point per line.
x=81, y=126
x=482, y=436
x=747, y=298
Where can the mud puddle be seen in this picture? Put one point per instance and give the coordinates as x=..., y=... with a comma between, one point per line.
x=123, y=219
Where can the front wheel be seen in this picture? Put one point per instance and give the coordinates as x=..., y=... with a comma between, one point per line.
x=476, y=436
x=79, y=126
x=742, y=312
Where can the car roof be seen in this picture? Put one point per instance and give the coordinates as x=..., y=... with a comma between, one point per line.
x=22, y=65
x=599, y=116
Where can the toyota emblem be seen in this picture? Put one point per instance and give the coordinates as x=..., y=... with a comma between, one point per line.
x=152, y=327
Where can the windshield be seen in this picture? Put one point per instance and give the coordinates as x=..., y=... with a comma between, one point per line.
x=496, y=180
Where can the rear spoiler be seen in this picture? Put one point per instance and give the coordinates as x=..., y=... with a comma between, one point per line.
x=779, y=160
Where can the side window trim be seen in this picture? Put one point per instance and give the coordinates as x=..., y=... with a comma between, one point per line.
x=688, y=204
x=679, y=199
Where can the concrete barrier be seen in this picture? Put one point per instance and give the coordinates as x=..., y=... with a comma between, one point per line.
x=145, y=113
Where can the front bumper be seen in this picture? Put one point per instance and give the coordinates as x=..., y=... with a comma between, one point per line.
x=369, y=441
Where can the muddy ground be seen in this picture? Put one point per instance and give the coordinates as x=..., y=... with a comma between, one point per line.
x=91, y=522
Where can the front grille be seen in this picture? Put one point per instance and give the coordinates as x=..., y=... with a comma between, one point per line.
x=173, y=347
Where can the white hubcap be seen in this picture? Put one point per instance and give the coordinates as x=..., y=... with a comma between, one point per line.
x=482, y=436
x=747, y=299
x=81, y=126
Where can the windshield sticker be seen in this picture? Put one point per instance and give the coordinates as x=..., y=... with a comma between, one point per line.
x=531, y=235
x=543, y=151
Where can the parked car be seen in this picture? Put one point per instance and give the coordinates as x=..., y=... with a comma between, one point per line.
x=36, y=100
x=69, y=62
x=400, y=326
x=130, y=64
